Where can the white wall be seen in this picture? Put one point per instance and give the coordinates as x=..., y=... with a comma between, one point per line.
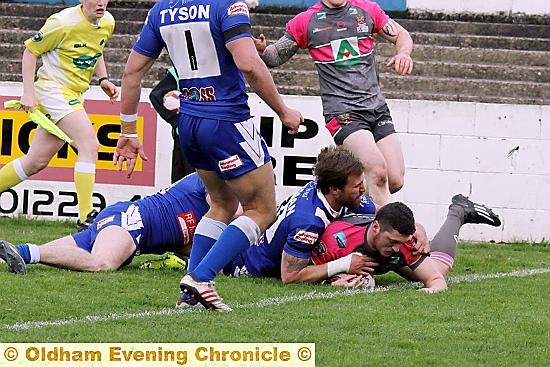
x=533, y=7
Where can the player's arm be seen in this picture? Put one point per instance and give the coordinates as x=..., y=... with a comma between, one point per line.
x=277, y=53
x=422, y=244
x=300, y=270
x=128, y=145
x=29, y=60
x=106, y=85
x=258, y=77
x=400, y=37
x=427, y=273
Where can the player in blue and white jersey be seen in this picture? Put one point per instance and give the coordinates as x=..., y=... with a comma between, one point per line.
x=211, y=46
x=154, y=224
x=285, y=249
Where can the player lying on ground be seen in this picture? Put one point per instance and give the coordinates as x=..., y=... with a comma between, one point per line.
x=163, y=222
x=285, y=249
x=386, y=239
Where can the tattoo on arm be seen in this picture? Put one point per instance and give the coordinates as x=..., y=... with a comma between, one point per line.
x=279, y=52
x=295, y=264
x=390, y=29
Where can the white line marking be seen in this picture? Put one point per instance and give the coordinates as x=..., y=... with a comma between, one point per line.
x=266, y=302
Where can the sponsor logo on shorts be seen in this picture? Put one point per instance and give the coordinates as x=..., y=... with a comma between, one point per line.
x=306, y=237
x=385, y=122
x=100, y=223
x=239, y=8
x=188, y=223
x=38, y=37
x=345, y=118
x=230, y=163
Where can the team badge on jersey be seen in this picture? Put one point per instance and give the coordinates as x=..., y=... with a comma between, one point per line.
x=38, y=37
x=306, y=237
x=362, y=26
x=239, y=8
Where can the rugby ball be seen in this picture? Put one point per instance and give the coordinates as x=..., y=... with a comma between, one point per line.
x=171, y=101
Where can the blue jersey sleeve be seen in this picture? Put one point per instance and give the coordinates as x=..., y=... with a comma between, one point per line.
x=366, y=206
x=301, y=240
x=235, y=20
x=150, y=42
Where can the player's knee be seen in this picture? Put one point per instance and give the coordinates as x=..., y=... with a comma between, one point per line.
x=396, y=183
x=378, y=175
x=89, y=147
x=101, y=265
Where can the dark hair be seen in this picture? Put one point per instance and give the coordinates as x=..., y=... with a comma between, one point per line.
x=396, y=216
x=334, y=165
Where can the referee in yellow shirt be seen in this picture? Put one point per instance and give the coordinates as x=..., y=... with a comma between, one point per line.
x=71, y=45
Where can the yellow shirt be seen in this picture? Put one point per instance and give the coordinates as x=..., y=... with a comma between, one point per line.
x=70, y=46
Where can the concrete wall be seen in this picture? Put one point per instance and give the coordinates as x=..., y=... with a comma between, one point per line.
x=535, y=7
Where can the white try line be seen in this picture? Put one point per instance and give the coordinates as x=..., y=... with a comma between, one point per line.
x=266, y=302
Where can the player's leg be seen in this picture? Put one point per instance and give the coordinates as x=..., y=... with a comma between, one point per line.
x=461, y=211
x=79, y=128
x=223, y=204
x=255, y=191
x=390, y=147
x=113, y=246
x=239, y=170
x=42, y=149
x=388, y=143
x=361, y=144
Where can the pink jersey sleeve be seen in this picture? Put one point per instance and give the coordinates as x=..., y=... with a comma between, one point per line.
x=297, y=28
x=378, y=16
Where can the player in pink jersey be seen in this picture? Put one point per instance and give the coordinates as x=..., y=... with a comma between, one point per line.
x=387, y=239
x=339, y=35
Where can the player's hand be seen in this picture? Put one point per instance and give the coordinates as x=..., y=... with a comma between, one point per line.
x=348, y=280
x=260, y=43
x=402, y=63
x=362, y=264
x=292, y=119
x=110, y=89
x=422, y=244
x=28, y=102
x=127, y=150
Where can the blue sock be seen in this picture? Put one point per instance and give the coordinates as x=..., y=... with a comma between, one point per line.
x=24, y=252
x=238, y=236
x=206, y=234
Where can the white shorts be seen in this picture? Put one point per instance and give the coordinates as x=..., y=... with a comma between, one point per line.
x=55, y=100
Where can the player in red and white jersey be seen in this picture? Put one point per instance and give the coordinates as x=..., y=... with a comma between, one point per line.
x=386, y=238
x=339, y=35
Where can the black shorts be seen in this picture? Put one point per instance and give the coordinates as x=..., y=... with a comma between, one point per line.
x=378, y=121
